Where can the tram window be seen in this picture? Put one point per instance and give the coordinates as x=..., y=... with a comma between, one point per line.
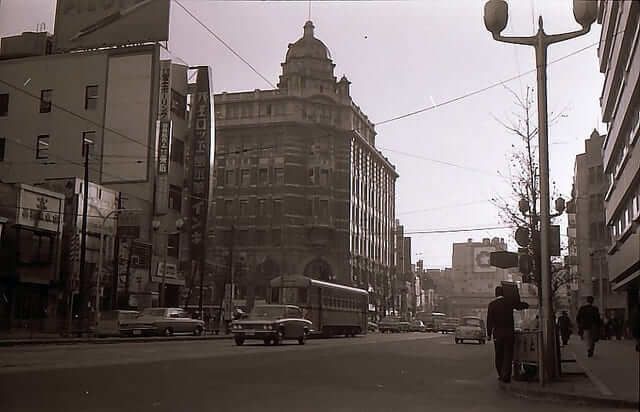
x=274, y=296
x=302, y=295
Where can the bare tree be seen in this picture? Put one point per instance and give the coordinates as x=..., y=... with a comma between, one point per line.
x=523, y=172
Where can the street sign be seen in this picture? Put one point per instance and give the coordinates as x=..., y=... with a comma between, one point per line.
x=523, y=236
x=503, y=259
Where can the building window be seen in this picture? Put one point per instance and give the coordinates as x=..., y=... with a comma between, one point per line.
x=45, y=100
x=260, y=237
x=312, y=177
x=228, y=207
x=262, y=207
x=35, y=248
x=173, y=245
x=244, y=177
x=175, y=198
x=263, y=176
x=277, y=207
x=324, y=177
x=42, y=147
x=309, y=207
x=4, y=104
x=229, y=178
x=91, y=98
x=323, y=211
x=276, y=237
x=3, y=146
x=177, y=151
x=244, y=207
x=279, y=175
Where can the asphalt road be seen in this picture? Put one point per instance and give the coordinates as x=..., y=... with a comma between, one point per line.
x=404, y=372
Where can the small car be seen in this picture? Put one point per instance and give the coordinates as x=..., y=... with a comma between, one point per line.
x=163, y=321
x=390, y=324
x=372, y=327
x=272, y=324
x=449, y=325
x=417, y=326
x=113, y=322
x=471, y=328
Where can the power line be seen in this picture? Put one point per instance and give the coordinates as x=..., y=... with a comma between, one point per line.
x=457, y=205
x=482, y=90
x=207, y=28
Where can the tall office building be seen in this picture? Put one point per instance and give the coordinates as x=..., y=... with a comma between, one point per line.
x=301, y=187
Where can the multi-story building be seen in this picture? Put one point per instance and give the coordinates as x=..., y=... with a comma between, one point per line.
x=474, y=279
x=591, y=239
x=571, y=259
x=439, y=289
x=402, y=276
x=301, y=187
x=104, y=106
x=619, y=53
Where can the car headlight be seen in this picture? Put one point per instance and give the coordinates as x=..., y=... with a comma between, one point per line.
x=268, y=327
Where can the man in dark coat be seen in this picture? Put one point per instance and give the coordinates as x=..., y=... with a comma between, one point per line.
x=500, y=326
x=564, y=326
x=588, y=320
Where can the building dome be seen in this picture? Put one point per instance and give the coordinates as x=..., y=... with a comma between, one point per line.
x=308, y=46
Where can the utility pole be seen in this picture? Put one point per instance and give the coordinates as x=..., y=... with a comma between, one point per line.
x=116, y=262
x=84, y=298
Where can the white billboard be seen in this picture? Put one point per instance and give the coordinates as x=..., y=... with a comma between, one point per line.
x=40, y=209
x=481, y=257
x=88, y=24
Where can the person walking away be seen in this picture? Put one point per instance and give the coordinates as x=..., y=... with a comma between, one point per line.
x=500, y=327
x=588, y=321
x=565, y=327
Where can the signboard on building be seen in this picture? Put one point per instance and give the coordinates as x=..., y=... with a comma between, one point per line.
x=163, y=132
x=88, y=24
x=40, y=209
x=482, y=259
x=199, y=165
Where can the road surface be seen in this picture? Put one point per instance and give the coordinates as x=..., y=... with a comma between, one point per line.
x=398, y=372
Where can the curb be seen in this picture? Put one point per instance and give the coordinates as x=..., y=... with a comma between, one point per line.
x=107, y=341
x=542, y=394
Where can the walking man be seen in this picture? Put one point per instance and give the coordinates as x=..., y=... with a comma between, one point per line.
x=588, y=320
x=500, y=326
x=565, y=326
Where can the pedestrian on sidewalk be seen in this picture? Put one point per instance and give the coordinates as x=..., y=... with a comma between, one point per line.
x=500, y=326
x=565, y=327
x=634, y=325
x=589, y=322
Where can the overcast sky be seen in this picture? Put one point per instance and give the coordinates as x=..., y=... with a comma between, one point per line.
x=402, y=56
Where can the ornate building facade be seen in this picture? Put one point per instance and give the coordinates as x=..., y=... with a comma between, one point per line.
x=301, y=188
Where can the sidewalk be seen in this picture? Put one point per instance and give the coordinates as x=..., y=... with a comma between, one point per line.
x=609, y=379
x=24, y=337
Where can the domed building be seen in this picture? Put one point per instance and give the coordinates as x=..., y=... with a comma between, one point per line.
x=301, y=188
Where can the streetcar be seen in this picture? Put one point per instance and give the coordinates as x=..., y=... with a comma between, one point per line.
x=333, y=309
x=432, y=320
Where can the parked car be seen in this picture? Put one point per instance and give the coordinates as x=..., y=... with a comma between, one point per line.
x=471, y=328
x=112, y=322
x=449, y=325
x=393, y=324
x=272, y=324
x=372, y=327
x=417, y=326
x=164, y=321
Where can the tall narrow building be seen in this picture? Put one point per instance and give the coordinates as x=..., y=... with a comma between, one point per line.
x=301, y=187
x=619, y=53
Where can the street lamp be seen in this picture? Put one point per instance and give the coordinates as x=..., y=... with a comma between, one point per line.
x=155, y=224
x=496, y=15
x=104, y=221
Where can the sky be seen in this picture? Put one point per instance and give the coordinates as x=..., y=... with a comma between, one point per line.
x=402, y=56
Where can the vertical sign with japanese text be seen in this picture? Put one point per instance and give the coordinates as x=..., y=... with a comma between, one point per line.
x=163, y=137
x=200, y=164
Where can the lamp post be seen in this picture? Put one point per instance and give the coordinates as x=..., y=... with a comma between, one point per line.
x=155, y=224
x=495, y=19
x=100, y=258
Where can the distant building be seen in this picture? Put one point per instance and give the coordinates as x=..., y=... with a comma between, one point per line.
x=301, y=187
x=111, y=98
x=619, y=53
x=591, y=240
x=474, y=279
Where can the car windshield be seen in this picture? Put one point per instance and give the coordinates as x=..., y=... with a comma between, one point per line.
x=472, y=322
x=267, y=312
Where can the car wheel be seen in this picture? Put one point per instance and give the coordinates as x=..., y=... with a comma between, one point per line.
x=267, y=341
x=482, y=342
x=197, y=331
x=302, y=339
x=277, y=339
x=167, y=332
x=239, y=341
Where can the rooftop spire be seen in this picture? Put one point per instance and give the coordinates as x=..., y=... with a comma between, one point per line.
x=308, y=29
